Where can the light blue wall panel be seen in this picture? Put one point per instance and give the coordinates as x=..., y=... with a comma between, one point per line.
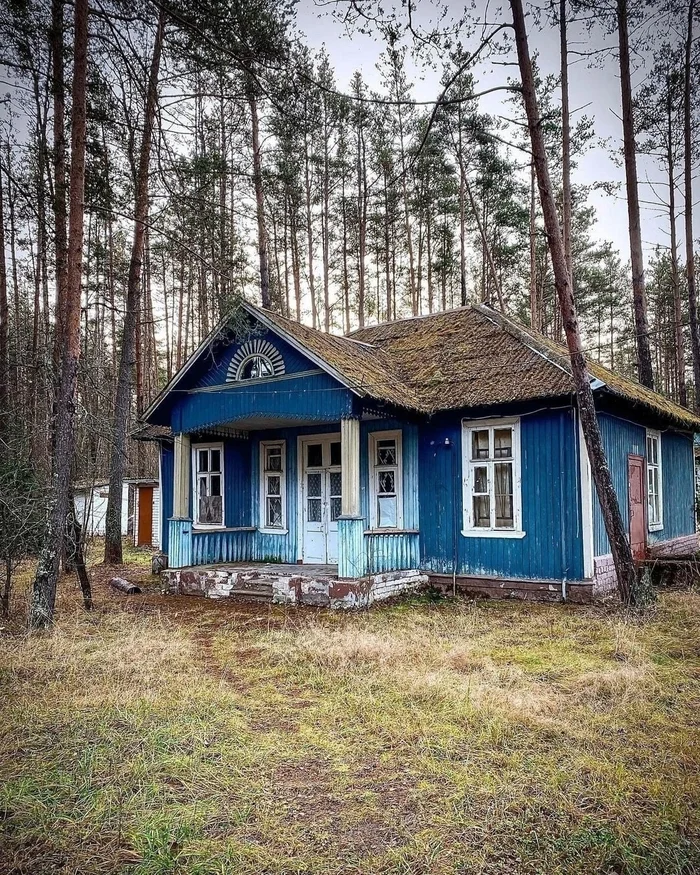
x=551, y=508
x=166, y=493
x=392, y=552
x=313, y=397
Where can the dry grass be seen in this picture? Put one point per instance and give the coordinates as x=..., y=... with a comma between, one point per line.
x=165, y=735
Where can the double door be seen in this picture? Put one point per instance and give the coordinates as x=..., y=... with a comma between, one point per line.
x=321, y=498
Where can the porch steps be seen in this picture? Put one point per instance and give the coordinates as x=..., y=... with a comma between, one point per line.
x=246, y=587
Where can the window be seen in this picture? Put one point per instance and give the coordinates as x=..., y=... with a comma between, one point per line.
x=208, y=480
x=491, y=478
x=655, y=519
x=386, y=507
x=255, y=367
x=273, y=493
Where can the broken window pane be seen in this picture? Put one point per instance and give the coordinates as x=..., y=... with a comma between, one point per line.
x=210, y=508
x=480, y=444
x=386, y=511
x=274, y=485
x=256, y=367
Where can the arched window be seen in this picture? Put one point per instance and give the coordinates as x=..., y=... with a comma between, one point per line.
x=255, y=367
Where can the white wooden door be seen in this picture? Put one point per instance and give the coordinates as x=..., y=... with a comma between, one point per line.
x=321, y=499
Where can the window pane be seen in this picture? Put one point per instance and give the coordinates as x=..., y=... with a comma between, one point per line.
x=335, y=453
x=215, y=484
x=313, y=510
x=273, y=485
x=482, y=511
x=273, y=458
x=503, y=489
x=274, y=512
x=255, y=368
x=202, y=487
x=336, y=483
x=386, y=511
x=203, y=460
x=481, y=479
x=336, y=504
x=313, y=484
x=386, y=452
x=386, y=482
x=215, y=460
x=314, y=455
x=480, y=444
x=503, y=443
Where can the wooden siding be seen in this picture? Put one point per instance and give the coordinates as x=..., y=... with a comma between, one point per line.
x=551, y=505
x=238, y=482
x=314, y=397
x=622, y=438
x=392, y=551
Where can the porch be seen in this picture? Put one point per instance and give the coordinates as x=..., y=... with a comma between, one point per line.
x=291, y=503
x=290, y=584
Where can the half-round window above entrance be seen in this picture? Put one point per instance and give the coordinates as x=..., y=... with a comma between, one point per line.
x=255, y=360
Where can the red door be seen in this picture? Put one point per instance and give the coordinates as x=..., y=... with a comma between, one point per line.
x=145, y=535
x=638, y=523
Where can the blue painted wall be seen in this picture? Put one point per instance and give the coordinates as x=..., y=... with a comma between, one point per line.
x=312, y=397
x=552, y=546
x=166, y=493
x=622, y=438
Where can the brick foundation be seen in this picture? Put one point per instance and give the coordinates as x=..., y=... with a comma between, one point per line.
x=683, y=546
x=604, y=576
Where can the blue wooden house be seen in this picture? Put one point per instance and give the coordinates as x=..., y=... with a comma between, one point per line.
x=307, y=467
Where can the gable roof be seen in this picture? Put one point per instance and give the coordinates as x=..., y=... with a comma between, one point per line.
x=468, y=357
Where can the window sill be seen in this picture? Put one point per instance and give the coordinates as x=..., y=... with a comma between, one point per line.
x=204, y=529
x=391, y=531
x=492, y=533
x=656, y=527
x=265, y=531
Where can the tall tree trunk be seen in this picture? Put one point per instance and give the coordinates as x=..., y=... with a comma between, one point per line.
x=59, y=170
x=4, y=325
x=565, y=141
x=622, y=554
x=45, y=581
x=675, y=280
x=688, y=208
x=309, y=235
x=259, y=203
x=641, y=323
x=113, y=524
x=535, y=309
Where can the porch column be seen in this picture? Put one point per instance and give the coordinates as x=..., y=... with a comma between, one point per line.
x=180, y=524
x=351, y=525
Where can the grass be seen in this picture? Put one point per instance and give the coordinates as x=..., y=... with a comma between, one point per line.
x=165, y=735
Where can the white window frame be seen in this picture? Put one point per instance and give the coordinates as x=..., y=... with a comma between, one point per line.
x=262, y=522
x=374, y=438
x=196, y=448
x=249, y=358
x=468, y=466
x=652, y=434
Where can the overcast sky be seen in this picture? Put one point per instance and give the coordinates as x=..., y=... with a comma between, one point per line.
x=596, y=89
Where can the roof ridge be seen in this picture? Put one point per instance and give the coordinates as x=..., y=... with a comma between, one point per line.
x=406, y=319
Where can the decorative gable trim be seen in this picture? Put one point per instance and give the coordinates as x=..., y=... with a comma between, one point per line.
x=251, y=348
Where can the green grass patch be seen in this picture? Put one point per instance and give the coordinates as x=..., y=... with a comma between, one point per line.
x=178, y=736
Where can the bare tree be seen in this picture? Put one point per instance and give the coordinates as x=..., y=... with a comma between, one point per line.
x=646, y=375
x=113, y=525
x=621, y=551
x=688, y=210
x=45, y=581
